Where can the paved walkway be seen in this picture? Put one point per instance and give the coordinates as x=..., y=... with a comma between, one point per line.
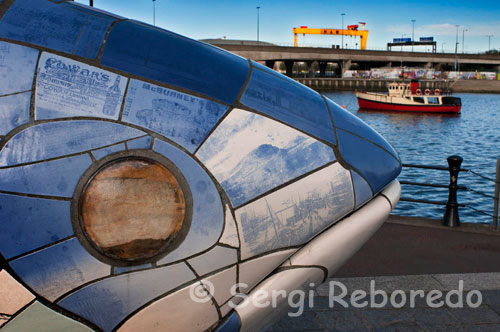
x=419, y=317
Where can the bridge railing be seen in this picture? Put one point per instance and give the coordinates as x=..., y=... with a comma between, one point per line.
x=452, y=206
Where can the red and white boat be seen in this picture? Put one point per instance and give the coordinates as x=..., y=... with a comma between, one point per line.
x=409, y=98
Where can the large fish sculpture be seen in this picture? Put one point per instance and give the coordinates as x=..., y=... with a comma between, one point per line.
x=150, y=182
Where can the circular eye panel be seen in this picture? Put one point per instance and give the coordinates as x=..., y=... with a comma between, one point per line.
x=132, y=208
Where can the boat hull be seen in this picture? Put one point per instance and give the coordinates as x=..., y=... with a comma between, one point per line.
x=382, y=106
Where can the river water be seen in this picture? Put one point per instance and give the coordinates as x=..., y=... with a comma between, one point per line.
x=429, y=138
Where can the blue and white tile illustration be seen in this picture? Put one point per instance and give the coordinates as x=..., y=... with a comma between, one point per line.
x=66, y=88
x=17, y=67
x=294, y=214
x=183, y=118
x=250, y=154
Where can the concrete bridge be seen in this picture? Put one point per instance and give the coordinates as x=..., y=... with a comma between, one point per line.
x=365, y=59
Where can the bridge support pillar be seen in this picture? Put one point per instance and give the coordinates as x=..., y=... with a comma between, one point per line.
x=389, y=64
x=289, y=67
x=322, y=68
x=270, y=63
x=311, y=66
x=346, y=64
x=428, y=65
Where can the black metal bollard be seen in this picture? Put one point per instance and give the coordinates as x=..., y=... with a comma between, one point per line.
x=450, y=217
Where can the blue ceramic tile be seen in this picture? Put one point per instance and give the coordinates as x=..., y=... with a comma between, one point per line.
x=294, y=214
x=172, y=59
x=208, y=215
x=17, y=67
x=56, y=270
x=92, y=10
x=344, y=119
x=183, y=118
x=101, y=153
x=232, y=324
x=30, y=223
x=250, y=154
x=68, y=88
x=361, y=189
x=54, y=178
x=214, y=259
x=140, y=143
x=55, y=26
x=377, y=166
x=125, y=269
x=296, y=105
x=14, y=111
x=106, y=303
x=56, y=139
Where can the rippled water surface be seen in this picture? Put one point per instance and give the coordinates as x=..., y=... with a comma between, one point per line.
x=429, y=138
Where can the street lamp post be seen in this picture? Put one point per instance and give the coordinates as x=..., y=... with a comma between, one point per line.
x=154, y=13
x=91, y=3
x=442, y=47
x=258, y=23
x=402, y=35
x=463, y=39
x=412, y=33
x=489, y=41
x=456, y=47
x=343, y=14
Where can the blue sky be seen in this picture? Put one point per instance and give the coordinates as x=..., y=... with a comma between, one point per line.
x=385, y=19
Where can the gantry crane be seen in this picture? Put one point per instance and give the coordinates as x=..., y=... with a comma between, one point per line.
x=352, y=30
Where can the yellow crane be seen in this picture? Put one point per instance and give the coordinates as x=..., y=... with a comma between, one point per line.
x=352, y=30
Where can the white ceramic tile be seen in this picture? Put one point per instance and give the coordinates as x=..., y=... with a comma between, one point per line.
x=214, y=259
x=13, y=296
x=230, y=234
x=255, y=270
x=175, y=312
x=220, y=284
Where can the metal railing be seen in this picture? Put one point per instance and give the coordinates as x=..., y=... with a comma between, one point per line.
x=451, y=213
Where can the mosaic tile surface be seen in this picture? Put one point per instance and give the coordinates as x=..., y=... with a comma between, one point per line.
x=58, y=269
x=153, y=318
x=60, y=27
x=38, y=317
x=17, y=67
x=14, y=111
x=53, y=178
x=292, y=215
x=109, y=301
x=376, y=165
x=345, y=120
x=66, y=88
x=208, y=216
x=293, y=104
x=183, y=118
x=172, y=59
x=57, y=139
x=247, y=188
x=30, y=223
x=250, y=154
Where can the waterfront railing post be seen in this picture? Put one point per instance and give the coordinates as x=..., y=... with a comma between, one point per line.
x=450, y=217
x=497, y=195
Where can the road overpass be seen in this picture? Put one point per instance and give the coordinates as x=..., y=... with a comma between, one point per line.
x=364, y=58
